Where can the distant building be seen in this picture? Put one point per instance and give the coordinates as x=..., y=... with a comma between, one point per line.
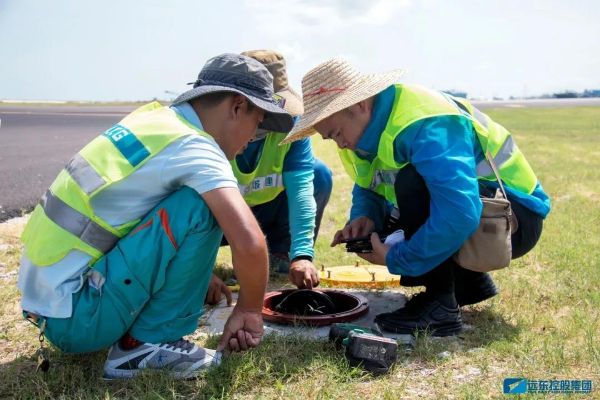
x=591, y=93
x=567, y=94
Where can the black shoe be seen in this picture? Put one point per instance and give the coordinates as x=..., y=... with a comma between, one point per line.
x=474, y=288
x=423, y=312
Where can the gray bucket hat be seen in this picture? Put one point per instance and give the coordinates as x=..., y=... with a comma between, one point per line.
x=243, y=75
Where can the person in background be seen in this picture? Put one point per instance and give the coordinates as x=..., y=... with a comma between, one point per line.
x=286, y=187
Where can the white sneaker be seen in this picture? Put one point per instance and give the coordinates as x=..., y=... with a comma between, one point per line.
x=181, y=358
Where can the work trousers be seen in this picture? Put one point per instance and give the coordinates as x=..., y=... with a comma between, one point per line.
x=413, y=201
x=152, y=283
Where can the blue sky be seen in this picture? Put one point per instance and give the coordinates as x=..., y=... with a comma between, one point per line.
x=137, y=50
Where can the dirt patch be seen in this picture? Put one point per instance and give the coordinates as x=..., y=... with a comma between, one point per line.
x=11, y=230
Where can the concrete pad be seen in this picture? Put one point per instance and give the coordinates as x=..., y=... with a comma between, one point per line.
x=213, y=321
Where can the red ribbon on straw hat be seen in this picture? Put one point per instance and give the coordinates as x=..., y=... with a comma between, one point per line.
x=323, y=90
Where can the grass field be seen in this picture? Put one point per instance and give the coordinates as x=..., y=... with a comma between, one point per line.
x=543, y=325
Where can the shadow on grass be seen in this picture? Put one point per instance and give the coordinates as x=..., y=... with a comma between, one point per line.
x=277, y=362
x=483, y=327
x=488, y=326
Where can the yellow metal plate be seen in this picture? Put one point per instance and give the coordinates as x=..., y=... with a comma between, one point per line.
x=359, y=275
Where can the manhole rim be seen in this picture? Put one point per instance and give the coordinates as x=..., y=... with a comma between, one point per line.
x=315, y=320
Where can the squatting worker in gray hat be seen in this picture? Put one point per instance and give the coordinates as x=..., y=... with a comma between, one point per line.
x=120, y=250
x=285, y=186
x=421, y=152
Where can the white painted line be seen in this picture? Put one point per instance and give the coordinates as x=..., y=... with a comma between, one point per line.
x=69, y=114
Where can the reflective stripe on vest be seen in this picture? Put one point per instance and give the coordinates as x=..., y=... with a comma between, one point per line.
x=478, y=115
x=76, y=223
x=506, y=151
x=260, y=183
x=65, y=219
x=383, y=176
x=84, y=174
x=508, y=148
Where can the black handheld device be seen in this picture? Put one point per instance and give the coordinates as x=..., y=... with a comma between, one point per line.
x=360, y=244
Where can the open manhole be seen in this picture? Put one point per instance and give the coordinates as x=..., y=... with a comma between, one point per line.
x=313, y=307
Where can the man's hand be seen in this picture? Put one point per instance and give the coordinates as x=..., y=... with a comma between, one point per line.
x=243, y=330
x=358, y=227
x=216, y=289
x=303, y=274
x=379, y=253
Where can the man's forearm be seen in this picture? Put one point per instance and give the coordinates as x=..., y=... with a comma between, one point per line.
x=302, y=211
x=251, y=266
x=247, y=242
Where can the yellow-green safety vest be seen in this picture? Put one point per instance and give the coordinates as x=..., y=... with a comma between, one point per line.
x=65, y=220
x=413, y=103
x=266, y=181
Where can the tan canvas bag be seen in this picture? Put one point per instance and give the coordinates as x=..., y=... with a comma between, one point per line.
x=490, y=247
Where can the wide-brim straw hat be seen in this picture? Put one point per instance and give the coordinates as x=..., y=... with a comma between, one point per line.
x=332, y=86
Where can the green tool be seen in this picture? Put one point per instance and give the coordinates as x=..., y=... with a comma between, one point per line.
x=339, y=332
x=365, y=347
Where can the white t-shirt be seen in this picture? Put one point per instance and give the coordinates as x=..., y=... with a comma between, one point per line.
x=193, y=161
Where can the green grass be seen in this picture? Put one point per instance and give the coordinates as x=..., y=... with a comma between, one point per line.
x=545, y=323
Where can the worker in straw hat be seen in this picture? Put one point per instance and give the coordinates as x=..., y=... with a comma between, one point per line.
x=121, y=248
x=419, y=154
x=285, y=186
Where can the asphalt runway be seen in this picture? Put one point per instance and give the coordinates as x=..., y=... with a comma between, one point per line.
x=36, y=141
x=35, y=144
